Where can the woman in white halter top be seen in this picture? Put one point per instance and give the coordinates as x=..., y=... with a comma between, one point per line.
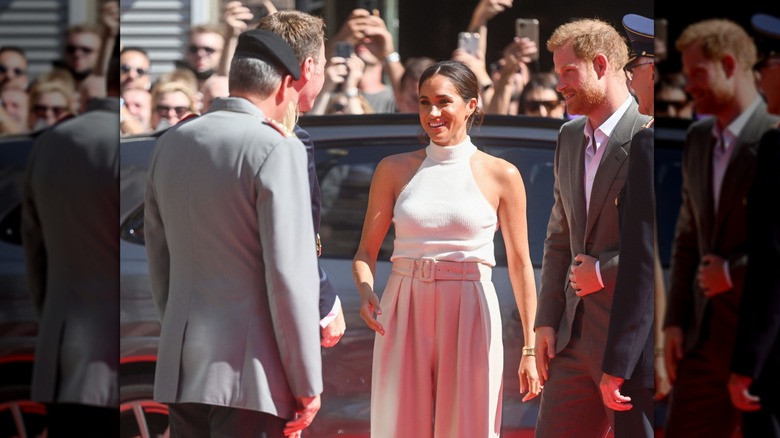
x=438, y=352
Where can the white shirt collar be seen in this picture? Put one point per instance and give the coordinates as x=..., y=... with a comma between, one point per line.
x=605, y=130
x=734, y=129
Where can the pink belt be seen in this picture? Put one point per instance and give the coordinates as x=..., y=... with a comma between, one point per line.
x=429, y=269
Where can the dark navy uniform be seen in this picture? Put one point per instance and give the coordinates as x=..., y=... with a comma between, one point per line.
x=327, y=291
x=628, y=353
x=757, y=350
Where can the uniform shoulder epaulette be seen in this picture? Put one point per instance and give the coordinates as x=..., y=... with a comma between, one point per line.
x=277, y=126
x=189, y=116
x=649, y=123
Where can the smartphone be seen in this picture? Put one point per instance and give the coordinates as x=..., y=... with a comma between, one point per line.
x=661, y=38
x=528, y=28
x=258, y=10
x=344, y=49
x=469, y=42
x=368, y=5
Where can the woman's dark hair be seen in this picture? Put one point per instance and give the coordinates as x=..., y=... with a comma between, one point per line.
x=464, y=80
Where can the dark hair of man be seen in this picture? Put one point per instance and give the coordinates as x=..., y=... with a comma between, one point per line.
x=414, y=68
x=83, y=28
x=464, y=80
x=135, y=49
x=253, y=76
x=15, y=49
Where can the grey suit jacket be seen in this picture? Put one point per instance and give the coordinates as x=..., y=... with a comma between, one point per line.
x=70, y=214
x=232, y=263
x=571, y=230
x=699, y=230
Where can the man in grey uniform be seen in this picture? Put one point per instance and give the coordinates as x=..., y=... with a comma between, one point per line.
x=232, y=260
x=70, y=213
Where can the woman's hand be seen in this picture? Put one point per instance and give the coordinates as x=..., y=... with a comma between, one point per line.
x=369, y=306
x=530, y=385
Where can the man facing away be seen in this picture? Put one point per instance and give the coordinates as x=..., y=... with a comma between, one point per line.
x=70, y=211
x=580, y=260
x=232, y=259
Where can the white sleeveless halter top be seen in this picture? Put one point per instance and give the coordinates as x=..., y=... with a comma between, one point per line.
x=441, y=213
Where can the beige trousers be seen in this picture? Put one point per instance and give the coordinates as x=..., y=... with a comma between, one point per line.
x=437, y=371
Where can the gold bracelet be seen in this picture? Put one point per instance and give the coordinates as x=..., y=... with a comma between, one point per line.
x=659, y=352
x=528, y=351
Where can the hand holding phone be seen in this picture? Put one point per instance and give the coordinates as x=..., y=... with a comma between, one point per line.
x=344, y=49
x=469, y=42
x=368, y=5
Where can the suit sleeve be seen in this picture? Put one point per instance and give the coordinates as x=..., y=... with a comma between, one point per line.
x=327, y=291
x=287, y=237
x=157, y=253
x=556, y=259
x=631, y=318
x=759, y=318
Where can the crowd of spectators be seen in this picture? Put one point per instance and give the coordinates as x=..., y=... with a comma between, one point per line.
x=372, y=78
x=32, y=103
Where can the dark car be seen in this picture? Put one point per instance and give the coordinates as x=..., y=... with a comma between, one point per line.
x=348, y=149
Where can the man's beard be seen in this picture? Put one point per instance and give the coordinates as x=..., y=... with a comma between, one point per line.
x=588, y=97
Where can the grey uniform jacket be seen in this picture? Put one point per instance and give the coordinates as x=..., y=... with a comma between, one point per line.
x=572, y=230
x=70, y=212
x=232, y=263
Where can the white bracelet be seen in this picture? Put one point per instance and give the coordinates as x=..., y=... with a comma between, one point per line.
x=351, y=92
x=393, y=57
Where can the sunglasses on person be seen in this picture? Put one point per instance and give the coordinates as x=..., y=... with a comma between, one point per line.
x=16, y=70
x=164, y=110
x=536, y=105
x=43, y=110
x=196, y=49
x=629, y=69
x=71, y=49
x=663, y=106
x=125, y=68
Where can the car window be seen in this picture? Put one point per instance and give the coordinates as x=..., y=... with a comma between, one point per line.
x=14, y=152
x=345, y=175
x=536, y=167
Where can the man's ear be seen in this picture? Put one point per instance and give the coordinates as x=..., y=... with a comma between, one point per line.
x=600, y=64
x=285, y=90
x=729, y=64
x=307, y=69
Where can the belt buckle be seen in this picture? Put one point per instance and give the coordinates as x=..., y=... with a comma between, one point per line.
x=428, y=269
